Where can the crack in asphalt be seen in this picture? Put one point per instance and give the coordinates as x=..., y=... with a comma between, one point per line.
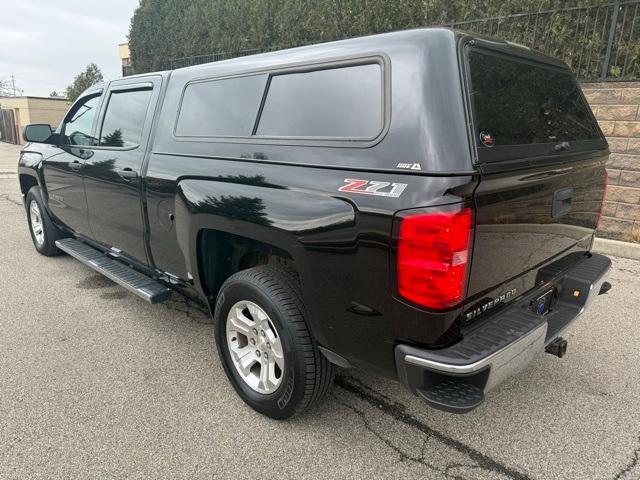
x=398, y=412
x=628, y=469
x=403, y=455
x=628, y=270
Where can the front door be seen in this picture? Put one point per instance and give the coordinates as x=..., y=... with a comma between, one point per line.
x=113, y=175
x=64, y=164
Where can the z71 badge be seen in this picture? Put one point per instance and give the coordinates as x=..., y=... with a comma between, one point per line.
x=373, y=187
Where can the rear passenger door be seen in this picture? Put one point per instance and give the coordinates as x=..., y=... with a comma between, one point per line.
x=113, y=175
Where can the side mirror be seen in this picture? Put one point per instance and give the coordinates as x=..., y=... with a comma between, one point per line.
x=37, y=132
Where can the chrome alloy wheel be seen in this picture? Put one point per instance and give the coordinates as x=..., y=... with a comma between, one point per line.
x=37, y=226
x=255, y=347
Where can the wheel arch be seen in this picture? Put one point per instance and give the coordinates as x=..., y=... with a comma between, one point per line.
x=29, y=168
x=220, y=254
x=27, y=182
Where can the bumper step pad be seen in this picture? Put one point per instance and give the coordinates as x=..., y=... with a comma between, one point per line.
x=453, y=396
x=143, y=286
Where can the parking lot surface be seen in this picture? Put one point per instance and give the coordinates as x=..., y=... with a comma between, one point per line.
x=95, y=383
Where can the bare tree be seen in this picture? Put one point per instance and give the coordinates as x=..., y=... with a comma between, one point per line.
x=7, y=87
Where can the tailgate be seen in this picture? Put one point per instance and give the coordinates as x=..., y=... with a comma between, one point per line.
x=542, y=162
x=526, y=219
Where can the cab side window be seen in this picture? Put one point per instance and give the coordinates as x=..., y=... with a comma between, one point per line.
x=78, y=126
x=124, y=118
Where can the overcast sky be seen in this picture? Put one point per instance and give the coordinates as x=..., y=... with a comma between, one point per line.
x=45, y=43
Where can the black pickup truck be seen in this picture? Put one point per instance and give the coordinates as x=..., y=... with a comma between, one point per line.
x=420, y=204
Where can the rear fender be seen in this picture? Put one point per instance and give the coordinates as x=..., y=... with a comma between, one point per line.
x=267, y=213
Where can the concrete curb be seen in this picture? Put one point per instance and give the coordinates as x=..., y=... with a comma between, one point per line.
x=617, y=248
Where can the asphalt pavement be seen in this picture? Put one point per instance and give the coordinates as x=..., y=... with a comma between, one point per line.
x=95, y=383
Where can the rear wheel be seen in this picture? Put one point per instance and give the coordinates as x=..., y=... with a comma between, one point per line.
x=255, y=347
x=43, y=232
x=265, y=345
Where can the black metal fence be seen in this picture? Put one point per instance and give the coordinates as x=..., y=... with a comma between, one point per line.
x=127, y=70
x=600, y=42
x=216, y=57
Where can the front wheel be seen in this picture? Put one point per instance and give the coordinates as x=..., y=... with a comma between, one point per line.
x=265, y=345
x=43, y=232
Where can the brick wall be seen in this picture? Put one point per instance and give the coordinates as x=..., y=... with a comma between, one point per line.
x=617, y=108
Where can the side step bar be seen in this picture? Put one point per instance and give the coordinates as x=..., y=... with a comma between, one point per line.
x=146, y=288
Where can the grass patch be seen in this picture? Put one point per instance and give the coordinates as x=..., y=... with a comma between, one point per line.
x=633, y=236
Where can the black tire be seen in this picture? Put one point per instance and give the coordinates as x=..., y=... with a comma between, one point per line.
x=307, y=375
x=51, y=232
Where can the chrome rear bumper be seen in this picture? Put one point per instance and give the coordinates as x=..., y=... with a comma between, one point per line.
x=457, y=378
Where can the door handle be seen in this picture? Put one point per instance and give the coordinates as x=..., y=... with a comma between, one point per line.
x=75, y=165
x=127, y=173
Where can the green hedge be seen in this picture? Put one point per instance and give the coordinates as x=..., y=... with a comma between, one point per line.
x=162, y=30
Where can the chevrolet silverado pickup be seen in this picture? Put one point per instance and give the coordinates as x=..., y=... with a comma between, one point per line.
x=419, y=204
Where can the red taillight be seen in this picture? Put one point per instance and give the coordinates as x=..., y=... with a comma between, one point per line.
x=604, y=196
x=433, y=257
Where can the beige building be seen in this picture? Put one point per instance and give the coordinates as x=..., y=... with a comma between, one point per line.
x=22, y=111
x=125, y=58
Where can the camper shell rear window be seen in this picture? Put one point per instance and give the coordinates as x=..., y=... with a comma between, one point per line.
x=522, y=107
